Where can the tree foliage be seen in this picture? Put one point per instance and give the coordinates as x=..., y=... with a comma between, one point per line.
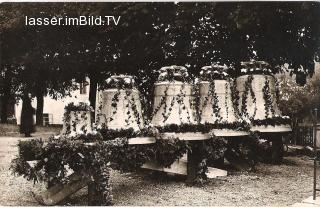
x=44, y=59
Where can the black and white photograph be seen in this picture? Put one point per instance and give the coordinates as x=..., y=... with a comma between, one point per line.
x=160, y=103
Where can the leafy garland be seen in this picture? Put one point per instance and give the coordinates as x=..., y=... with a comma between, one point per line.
x=255, y=68
x=268, y=104
x=277, y=91
x=114, y=105
x=215, y=101
x=55, y=159
x=214, y=72
x=110, y=134
x=277, y=120
x=174, y=73
x=207, y=151
x=130, y=105
x=226, y=100
x=179, y=98
x=163, y=101
x=204, y=128
x=244, y=98
x=80, y=108
x=119, y=82
x=235, y=98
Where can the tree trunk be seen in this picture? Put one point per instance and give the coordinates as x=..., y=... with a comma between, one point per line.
x=39, y=112
x=4, y=101
x=4, y=107
x=92, y=94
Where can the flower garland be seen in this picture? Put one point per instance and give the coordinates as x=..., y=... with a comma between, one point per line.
x=114, y=105
x=163, y=101
x=204, y=128
x=173, y=73
x=235, y=98
x=214, y=72
x=244, y=98
x=88, y=155
x=226, y=99
x=123, y=85
x=76, y=109
x=119, y=82
x=277, y=120
x=207, y=151
x=78, y=106
x=255, y=68
x=268, y=102
x=110, y=134
x=215, y=101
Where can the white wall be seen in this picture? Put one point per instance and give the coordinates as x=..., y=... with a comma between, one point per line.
x=55, y=108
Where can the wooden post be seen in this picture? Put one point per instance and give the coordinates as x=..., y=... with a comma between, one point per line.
x=315, y=154
x=99, y=190
x=59, y=192
x=194, y=159
x=277, y=148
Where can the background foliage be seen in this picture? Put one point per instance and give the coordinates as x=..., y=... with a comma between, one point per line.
x=45, y=59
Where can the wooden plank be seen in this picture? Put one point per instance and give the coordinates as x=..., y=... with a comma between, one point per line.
x=229, y=133
x=215, y=172
x=59, y=192
x=178, y=167
x=186, y=136
x=279, y=128
x=142, y=140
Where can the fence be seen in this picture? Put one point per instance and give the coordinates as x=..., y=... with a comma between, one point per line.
x=304, y=135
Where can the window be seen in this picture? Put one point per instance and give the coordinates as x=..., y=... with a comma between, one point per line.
x=83, y=87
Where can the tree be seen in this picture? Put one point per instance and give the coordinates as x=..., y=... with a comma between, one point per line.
x=152, y=35
x=298, y=101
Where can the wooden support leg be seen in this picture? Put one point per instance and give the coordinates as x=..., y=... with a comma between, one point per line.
x=277, y=148
x=194, y=159
x=99, y=191
x=59, y=192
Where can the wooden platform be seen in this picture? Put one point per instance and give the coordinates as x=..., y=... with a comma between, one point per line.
x=180, y=167
x=265, y=129
x=229, y=133
x=186, y=135
x=142, y=140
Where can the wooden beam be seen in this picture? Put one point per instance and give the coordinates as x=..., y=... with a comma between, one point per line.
x=59, y=192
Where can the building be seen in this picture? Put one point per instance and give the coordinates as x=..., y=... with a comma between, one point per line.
x=53, y=110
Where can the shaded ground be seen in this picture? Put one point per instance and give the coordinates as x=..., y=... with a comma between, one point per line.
x=275, y=185
x=12, y=130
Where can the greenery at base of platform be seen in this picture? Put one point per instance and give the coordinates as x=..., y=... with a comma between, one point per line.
x=91, y=156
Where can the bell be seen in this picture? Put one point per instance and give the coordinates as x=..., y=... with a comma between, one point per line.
x=216, y=106
x=173, y=98
x=257, y=98
x=118, y=104
x=77, y=119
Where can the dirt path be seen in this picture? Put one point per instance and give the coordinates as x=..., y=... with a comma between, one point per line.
x=275, y=185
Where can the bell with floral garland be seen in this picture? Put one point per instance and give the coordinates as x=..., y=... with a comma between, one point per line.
x=118, y=104
x=216, y=107
x=77, y=119
x=258, y=98
x=173, y=99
